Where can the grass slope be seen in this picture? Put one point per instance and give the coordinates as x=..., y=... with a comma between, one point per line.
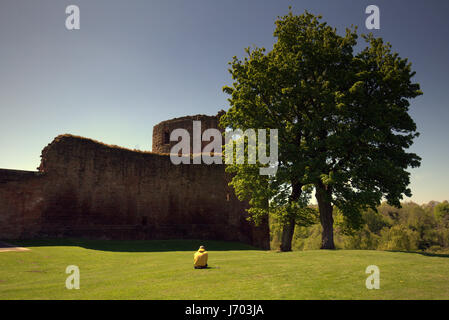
x=163, y=270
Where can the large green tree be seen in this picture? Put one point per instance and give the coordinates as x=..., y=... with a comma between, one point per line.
x=441, y=212
x=342, y=118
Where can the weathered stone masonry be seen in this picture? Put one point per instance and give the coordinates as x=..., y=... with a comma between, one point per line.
x=87, y=189
x=161, y=131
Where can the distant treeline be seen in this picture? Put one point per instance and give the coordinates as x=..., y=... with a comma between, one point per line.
x=411, y=228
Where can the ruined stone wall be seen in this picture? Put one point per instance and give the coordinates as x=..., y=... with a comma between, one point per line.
x=162, y=131
x=88, y=189
x=21, y=203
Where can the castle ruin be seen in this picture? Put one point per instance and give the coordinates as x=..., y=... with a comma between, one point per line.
x=84, y=188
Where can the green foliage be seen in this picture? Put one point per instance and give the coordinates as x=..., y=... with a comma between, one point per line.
x=363, y=239
x=399, y=238
x=442, y=211
x=374, y=221
x=409, y=228
x=313, y=242
x=304, y=216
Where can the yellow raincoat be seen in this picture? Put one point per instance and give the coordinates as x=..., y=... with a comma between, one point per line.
x=200, y=258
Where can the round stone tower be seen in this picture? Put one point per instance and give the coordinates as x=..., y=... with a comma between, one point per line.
x=162, y=131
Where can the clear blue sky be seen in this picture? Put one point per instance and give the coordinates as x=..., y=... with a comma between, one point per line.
x=135, y=63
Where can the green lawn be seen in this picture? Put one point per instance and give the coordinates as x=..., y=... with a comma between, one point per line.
x=163, y=270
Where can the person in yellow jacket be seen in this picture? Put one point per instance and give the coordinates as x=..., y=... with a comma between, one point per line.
x=200, y=258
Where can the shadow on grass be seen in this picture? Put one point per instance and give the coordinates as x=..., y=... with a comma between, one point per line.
x=135, y=245
x=427, y=254
x=4, y=245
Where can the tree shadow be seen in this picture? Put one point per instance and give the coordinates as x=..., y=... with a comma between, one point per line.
x=423, y=253
x=134, y=245
x=4, y=245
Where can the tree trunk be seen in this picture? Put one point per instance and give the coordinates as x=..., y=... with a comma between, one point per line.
x=287, y=236
x=289, y=227
x=323, y=197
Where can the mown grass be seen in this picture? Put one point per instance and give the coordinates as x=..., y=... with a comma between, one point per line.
x=163, y=270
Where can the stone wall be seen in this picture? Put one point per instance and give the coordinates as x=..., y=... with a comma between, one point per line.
x=21, y=203
x=88, y=189
x=162, y=131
